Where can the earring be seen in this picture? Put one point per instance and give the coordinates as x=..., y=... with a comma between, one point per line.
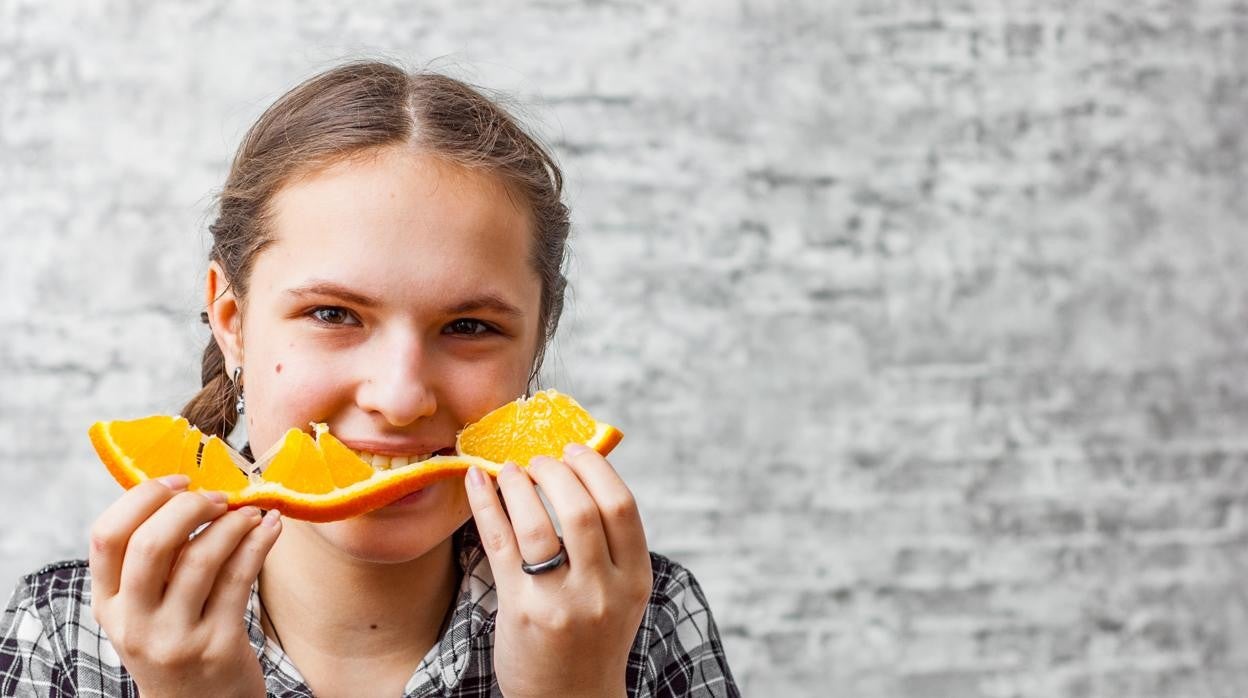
x=240, y=405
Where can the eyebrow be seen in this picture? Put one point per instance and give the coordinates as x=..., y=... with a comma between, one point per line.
x=485, y=301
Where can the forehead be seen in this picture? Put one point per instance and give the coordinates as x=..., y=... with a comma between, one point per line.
x=399, y=222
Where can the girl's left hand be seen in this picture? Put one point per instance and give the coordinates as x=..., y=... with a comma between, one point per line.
x=566, y=632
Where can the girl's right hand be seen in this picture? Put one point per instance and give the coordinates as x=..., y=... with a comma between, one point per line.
x=173, y=606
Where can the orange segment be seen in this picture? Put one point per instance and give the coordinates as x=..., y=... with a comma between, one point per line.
x=188, y=453
x=140, y=434
x=321, y=479
x=492, y=434
x=163, y=456
x=540, y=425
x=218, y=470
x=299, y=465
x=345, y=468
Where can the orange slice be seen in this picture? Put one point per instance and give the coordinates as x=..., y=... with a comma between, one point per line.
x=317, y=478
x=538, y=426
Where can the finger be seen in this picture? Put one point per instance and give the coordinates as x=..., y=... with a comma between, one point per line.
x=232, y=588
x=158, y=540
x=111, y=532
x=621, y=521
x=497, y=536
x=535, y=534
x=201, y=561
x=575, y=509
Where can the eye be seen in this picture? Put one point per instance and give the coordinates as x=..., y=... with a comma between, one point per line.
x=468, y=327
x=332, y=315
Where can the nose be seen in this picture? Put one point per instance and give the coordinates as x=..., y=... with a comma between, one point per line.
x=398, y=382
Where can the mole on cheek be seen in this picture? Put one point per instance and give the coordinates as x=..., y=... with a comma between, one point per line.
x=278, y=368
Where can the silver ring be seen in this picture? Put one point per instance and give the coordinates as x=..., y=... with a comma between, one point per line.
x=546, y=565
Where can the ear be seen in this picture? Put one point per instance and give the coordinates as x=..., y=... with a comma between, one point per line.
x=225, y=316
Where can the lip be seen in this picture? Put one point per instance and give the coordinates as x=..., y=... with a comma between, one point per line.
x=393, y=449
x=410, y=499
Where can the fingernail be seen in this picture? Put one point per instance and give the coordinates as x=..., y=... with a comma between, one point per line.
x=573, y=450
x=271, y=518
x=213, y=496
x=249, y=511
x=510, y=467
x=177, y=483
x=476, y=478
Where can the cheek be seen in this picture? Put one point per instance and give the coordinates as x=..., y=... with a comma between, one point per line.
x=290, y=391
x=302, y=387
x=474, y=390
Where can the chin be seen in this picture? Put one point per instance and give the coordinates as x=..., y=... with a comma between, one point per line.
x=399, y=535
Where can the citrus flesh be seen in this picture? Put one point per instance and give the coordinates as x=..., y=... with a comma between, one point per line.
x=538, y=426
x=315, y=477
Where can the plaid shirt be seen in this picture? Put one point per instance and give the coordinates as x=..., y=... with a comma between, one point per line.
x=51, y=646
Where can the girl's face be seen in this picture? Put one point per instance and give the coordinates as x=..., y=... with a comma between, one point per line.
x=396, y=304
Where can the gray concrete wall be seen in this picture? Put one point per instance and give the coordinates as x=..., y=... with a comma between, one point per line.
x=927, y=321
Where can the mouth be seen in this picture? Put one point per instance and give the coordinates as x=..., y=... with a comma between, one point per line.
x=384, y=462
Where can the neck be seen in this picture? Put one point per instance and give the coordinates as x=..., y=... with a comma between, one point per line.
x=321, y=604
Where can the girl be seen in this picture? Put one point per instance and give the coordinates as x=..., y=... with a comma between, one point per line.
x=387, y=259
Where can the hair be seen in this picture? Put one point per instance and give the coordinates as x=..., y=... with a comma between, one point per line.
x=350, y=111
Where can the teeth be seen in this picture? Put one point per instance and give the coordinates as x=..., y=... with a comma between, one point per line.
x=387, y=462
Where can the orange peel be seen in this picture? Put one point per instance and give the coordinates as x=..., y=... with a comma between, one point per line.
x=315, y=477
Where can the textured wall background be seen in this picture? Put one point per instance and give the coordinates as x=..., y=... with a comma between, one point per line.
x=927, y=320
